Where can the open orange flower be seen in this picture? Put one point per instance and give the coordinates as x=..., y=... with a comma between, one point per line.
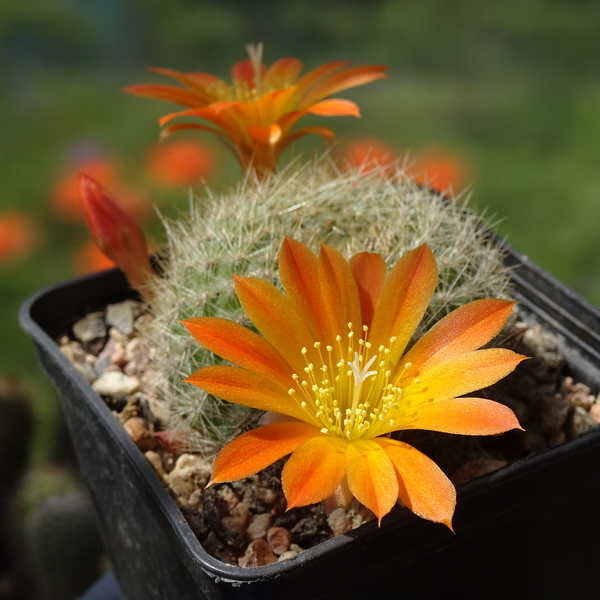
x=256, y=113
x=333, y=364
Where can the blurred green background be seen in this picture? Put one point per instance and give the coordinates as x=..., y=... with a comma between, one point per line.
x=510, y=88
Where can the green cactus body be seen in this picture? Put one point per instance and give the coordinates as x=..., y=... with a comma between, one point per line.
x=240, y=233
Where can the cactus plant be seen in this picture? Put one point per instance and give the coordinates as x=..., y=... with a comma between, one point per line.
x=240, y=233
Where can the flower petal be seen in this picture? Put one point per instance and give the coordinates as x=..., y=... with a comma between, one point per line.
x=369, y=270
x=266, y=135
x=317, y=75
x=171, y=129
x=255, y=450
x=314, y=471
x=334, y=108
x=404, y=299
x=466, y=416
x=240, y=346
x=244, y=72
x=282, y=73
x=348, y=78
x=463, y=330
x=170, y=93
x=423, y=487
x=244, y=387
x=371, y=476
x=294, y=136
x=458, y=376
x=298, y=268
x=341, y=303
x=197, y=81
x=276, y=318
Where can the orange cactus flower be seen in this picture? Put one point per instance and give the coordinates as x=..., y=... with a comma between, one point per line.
x=115, y=232
x=19, y=236
x=88, y=258
x=256, y=113
x=65, y=199
x=180, y=163
x=439, y=169
x=368, y=154
x=333, y=364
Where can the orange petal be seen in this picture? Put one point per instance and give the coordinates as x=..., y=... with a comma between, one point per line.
x=275, y=317
x=219, y=117
x=170, y=129
x=369, y=270
x=244, y=387
x=294, y=136
x=199, y=82
x=463, y=330
x=240, y=346
x=319, y=74
x=371, y=476
x=334, y=108
x=282, y=72
x=255, y=450
x=314, y=471
x=341, y=303
x=171, y=93
x=266, y=135
x=352, y=77
x=298, y=269
x=403, y=300
x=274, y=105
x=466, y=416
x=243, y=72
x=458, y=376
x=424, y=488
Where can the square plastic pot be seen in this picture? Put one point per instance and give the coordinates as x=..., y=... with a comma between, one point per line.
x=528, y=530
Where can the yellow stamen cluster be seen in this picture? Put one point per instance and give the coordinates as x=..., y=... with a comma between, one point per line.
x=353, y=393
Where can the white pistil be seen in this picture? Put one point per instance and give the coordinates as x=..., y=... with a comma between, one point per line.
x=360, y=376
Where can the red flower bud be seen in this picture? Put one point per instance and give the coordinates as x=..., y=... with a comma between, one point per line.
x=116, y=233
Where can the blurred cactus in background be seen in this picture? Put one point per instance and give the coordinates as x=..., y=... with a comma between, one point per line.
x=55, y=529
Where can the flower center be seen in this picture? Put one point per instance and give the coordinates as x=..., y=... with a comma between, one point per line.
x=350, y=391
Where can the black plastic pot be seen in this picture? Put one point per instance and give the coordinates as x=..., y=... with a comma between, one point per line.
x=529, y=530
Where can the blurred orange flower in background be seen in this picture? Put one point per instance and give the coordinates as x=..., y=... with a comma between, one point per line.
x=181, y=163
x=438, y=168
x=19, y=236
x=255, y=115
x=435, y=167
x=367, y=154
x=88, y=258
x=65, y=199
